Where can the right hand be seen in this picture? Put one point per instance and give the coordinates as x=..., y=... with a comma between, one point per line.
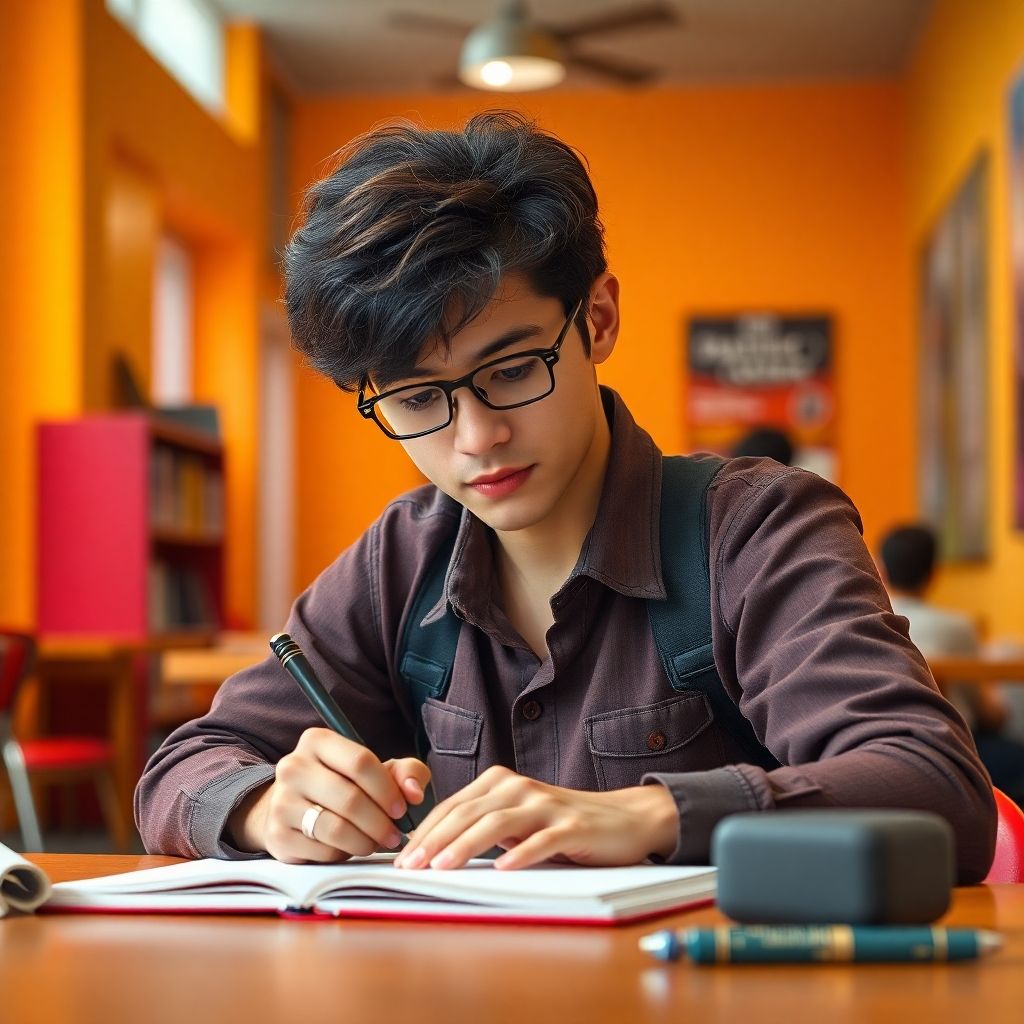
x=360, y=796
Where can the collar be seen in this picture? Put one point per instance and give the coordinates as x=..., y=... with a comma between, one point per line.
x=622, y=549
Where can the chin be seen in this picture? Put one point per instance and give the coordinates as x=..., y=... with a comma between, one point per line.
x=508, y=516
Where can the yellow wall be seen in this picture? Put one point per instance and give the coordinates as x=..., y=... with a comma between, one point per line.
x=780, y=198
x=957, y=105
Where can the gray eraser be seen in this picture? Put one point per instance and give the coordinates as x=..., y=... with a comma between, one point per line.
x=834, y=867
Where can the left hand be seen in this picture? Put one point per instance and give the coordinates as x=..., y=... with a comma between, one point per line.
x=534, y=821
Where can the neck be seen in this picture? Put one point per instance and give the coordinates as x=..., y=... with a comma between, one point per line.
x=543, y=556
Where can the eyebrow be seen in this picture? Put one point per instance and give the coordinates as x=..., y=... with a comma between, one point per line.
x=503, y=341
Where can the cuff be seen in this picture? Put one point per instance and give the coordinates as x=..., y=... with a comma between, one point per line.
x=703, y=799
x=212, y=806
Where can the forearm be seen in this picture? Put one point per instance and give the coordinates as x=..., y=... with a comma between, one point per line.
x=898, y=773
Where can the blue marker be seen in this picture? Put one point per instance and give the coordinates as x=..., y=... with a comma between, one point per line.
x=820, y=944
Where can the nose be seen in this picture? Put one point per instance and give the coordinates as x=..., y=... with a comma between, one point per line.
x=477, y=427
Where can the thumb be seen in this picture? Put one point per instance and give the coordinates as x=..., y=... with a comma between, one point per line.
x=412, y=776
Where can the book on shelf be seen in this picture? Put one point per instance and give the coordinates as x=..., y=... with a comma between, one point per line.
x=368, y=887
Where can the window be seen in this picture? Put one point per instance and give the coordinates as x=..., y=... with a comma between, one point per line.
x=172, y=325
x=186, y=36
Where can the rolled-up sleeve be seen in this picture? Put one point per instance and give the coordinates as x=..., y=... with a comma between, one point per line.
x=808, y=647
x=206, y=767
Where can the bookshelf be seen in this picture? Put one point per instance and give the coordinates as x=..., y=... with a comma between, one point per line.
x=130, y=529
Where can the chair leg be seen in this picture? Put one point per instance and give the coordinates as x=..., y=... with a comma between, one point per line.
x=112, y=813
x=21, y=790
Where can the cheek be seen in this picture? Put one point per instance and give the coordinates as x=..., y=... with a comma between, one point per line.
x=428, y=458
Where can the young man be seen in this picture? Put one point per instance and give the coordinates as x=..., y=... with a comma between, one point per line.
x=908, y=555
x=456, y=281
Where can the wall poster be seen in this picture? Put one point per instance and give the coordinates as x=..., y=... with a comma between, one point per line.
x=761, y=370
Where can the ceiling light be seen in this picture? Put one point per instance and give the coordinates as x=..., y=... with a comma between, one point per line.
x=509, y=55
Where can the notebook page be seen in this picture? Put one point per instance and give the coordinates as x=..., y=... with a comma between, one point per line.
x=23, y=886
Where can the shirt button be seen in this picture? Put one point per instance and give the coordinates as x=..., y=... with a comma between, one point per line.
x=656, y=741
x=532, y=710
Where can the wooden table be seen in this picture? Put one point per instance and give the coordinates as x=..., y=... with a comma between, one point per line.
x=85, y=968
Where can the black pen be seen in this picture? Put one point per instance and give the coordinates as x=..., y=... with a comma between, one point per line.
x=292, y=658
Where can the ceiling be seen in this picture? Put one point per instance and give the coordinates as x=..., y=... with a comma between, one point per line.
x=344, y=46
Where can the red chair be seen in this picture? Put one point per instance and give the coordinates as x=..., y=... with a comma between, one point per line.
x=60, y=759
x=1008, y=865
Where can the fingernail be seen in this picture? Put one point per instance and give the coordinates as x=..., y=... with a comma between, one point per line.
x=394, y=840
x=442, y=860
x=397, y=809
x=414, y=859
x=413, y=788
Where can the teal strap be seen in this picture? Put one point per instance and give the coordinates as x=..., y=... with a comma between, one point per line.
x=427, y=653
x=682, y=623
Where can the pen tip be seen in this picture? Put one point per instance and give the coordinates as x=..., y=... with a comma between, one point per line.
x=989, y=941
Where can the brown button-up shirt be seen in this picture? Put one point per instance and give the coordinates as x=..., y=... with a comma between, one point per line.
x=804, y=640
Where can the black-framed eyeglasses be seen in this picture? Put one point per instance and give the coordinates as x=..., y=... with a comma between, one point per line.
x=505, y=383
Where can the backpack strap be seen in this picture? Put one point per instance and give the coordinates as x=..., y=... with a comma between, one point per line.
x=682, y=623
x=427, y=653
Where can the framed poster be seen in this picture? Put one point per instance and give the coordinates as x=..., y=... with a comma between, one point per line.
x=760, y=370
x=953, y=398
x=1017, y=269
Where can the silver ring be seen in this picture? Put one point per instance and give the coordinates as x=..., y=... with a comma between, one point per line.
x=309, y=820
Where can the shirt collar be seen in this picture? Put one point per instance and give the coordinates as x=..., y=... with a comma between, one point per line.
x=622, y=549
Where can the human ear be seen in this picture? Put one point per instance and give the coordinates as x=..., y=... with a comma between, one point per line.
x=604, y=316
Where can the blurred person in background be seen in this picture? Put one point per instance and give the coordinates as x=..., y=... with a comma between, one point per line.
x=907, y=560
x=769, y=442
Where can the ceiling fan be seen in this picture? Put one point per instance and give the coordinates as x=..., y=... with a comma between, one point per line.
x=514, y=52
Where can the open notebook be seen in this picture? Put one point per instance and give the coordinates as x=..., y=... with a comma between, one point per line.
x=372, y=887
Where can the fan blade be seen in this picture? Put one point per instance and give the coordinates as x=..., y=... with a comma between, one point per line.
x=428, y=23
x=616, y=21
x=628, y=74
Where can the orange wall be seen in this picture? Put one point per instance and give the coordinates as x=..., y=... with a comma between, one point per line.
x=40, y=262
x=780, y=198
x=155, y=160
x=106, y=151
x=957, y=92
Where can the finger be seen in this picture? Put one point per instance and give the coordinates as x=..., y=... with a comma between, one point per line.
x=362, y=766
x=477, y=788
x=541, y=846
x=338, y=833
x=412, y=777
x=458, y=818
x=518, y=823
x=345, y=800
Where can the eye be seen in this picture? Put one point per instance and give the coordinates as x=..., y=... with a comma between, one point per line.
x=420, y=401
x=516, y=373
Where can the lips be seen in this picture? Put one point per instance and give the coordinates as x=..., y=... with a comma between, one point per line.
x=490, y=478
x=501, y=483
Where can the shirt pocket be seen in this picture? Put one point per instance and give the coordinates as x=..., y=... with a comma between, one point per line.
x=454, y=736
x=628, y=743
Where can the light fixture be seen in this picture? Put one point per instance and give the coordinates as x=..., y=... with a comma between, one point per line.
x=511, y=55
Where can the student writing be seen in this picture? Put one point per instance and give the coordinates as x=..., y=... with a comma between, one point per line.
x=455, y=284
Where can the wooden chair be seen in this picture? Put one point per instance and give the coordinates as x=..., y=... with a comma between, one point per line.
x=49, y=759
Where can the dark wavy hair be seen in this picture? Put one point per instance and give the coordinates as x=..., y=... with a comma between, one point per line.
x=406, y=241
